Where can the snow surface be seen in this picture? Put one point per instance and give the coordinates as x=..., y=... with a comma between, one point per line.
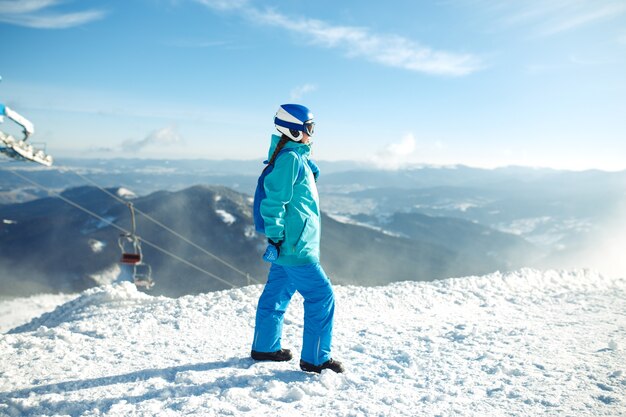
x=126, y=193
x=225, y=216
x=348, y=220
x=528, y=343
x=17, y=311
x=249, y=232
x=96, y=245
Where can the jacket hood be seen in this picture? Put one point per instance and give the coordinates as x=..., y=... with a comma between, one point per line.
x=303, y=149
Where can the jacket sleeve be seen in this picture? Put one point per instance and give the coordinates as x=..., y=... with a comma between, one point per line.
x=279, y=191
x=315, y=169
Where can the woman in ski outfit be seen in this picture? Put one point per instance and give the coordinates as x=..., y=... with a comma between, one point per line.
x=291, y=216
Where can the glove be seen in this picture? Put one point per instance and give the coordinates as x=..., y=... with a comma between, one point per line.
x=273, y=250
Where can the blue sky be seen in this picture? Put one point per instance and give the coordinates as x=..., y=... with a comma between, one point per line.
x=476, y=82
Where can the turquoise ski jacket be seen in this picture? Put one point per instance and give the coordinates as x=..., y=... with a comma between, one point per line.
x=291, y=209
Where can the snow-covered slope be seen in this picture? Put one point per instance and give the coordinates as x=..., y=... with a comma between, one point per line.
x=20, y=310
x=528, y=343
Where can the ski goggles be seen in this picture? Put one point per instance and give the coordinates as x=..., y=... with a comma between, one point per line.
x=309, y=127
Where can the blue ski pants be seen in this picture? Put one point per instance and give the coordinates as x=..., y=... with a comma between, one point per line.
x=319, y=309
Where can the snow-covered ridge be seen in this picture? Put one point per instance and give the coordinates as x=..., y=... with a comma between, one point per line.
x=88, y=303
x=523, y=343
x=347, y=220
x=225, y=216
x=20, y=310
x=96, y=245
x=126, y=193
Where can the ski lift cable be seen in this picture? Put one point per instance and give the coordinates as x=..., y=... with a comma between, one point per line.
x=157, y=222
x=147, y=242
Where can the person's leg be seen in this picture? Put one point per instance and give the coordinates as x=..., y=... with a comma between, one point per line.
x=271, y=309
x=319, y=309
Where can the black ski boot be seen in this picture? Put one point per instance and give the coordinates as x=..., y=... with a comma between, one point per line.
x=278, y=356
x=331, y=364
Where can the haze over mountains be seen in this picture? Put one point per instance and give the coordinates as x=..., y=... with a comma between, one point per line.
x=379, y=226
x=52, y=246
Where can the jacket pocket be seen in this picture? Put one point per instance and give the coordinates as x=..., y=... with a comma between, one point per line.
x=307, y=241
x=300, y=242
x=295, y=227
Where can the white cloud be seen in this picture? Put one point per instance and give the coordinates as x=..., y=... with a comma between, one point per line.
x=24, y=6
x=224, y=4
x=546, y=18
x=298, y=92
x=36, y=14
x=166, y=136
x=396, y=155
x=61, y=21
x=408, y=152
x=584, y=17
x=390, y=50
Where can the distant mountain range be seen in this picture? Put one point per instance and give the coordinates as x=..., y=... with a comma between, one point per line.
x=564, y=215
x=50, y=246
x=143, y=176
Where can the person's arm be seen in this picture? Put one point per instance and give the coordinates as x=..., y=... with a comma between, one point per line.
x=315, y=169
x=279, y=191
x=28, y=127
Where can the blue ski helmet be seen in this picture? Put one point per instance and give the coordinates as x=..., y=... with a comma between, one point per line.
x=292, y=119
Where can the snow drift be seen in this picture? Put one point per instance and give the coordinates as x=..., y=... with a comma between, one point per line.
x=517, y=344
x=16, y=311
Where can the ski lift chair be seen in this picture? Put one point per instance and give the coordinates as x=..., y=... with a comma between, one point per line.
x=132, y=256
x=142, y=276
x=131, y=249
x=130, y=245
